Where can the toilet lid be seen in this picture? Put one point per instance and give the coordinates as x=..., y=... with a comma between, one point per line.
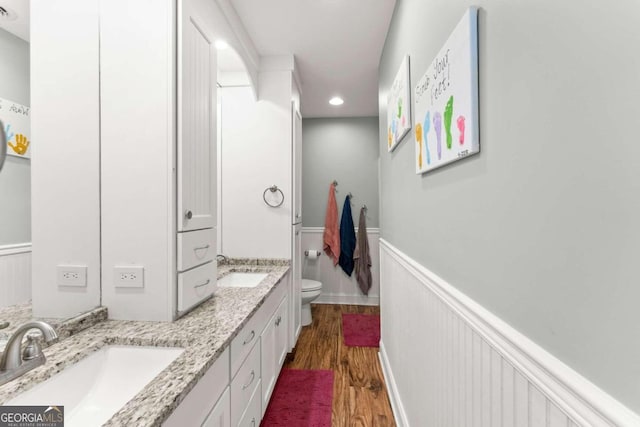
x=311, y=285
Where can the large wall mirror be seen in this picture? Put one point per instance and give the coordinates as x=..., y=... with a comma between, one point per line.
x=15, y=176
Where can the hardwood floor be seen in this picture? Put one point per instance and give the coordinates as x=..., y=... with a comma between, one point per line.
x=359, y=393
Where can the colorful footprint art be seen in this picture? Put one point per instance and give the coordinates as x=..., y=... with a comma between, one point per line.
x=419, y=141
x=448, y=115
x=437, y=126
x=460, y=122
x=425, y=130
x=394, y=129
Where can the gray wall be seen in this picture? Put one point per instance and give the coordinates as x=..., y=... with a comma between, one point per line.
x=15, y=178
x=344, y=149
x=542, y=227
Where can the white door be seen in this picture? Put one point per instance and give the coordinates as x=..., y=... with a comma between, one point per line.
x=197, y=104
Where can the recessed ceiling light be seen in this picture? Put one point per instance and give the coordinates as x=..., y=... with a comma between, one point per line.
x=221, y=45
x=336, y=100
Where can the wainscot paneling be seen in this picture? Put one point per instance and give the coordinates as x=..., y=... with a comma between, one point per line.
x=449, y=362
x=15, y=274
x=337, y=287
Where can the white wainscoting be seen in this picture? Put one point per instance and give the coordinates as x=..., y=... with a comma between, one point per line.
x=449, y=362
x=15, y=274
x=337, y=287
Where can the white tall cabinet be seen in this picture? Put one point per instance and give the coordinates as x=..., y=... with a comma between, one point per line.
x=125, y=179
x=158, y=91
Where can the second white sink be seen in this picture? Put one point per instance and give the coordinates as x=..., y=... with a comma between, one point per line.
x=96, y=387
x=237, y=279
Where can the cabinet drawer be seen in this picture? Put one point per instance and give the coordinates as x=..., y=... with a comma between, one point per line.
x=242, y=343
x=196, y=248
x=195, y=285
x=245, y=384
x=252, y=415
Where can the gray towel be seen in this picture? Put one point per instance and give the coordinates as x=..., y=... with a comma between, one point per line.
x=361, y=255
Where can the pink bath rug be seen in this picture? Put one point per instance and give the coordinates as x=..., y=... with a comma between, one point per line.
x=361, y=330
x=301, y=397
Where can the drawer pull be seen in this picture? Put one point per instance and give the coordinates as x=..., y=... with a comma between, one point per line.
x=199, y=248
x=248, y=340
x=278, y=320
x=203, y=284
x=253, y=422
x=253, y=376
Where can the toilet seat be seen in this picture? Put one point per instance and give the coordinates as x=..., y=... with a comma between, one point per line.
x=311, y=285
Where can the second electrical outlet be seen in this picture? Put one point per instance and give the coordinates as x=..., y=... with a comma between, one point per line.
x=129, y=276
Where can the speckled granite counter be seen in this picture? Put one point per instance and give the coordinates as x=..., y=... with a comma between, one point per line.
x=204, y=333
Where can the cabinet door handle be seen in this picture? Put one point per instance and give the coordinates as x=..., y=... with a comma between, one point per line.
x=278, y=320
x=253, y=422
x=253, y=376
x=188, y=214
x=248, y=340
x=203, y=284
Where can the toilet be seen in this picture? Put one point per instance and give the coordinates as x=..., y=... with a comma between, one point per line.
x=311, y=290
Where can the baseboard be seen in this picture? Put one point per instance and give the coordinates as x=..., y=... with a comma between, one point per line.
x=392, y=389
x=583, y=403
x=347, y=299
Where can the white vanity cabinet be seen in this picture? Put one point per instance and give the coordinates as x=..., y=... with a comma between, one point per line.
x=208, y=401
x=236, y=390
x=274, y=349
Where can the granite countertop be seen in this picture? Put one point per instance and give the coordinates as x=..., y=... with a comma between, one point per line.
x=204, y=333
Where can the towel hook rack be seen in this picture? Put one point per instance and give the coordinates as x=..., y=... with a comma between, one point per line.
x=273, y=189
x=335, y=183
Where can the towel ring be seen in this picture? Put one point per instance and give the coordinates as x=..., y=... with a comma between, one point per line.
x=273, y=189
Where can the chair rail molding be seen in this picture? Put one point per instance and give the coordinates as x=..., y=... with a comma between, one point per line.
x=510, y=375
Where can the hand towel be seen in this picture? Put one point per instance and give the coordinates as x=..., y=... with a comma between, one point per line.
x=362, y=257
x=347, y=238
x=331, y=236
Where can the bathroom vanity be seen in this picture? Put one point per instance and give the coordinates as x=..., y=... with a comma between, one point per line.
x=234, y=346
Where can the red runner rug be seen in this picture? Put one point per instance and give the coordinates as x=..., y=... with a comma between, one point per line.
x=361, y=330
x=301, y=398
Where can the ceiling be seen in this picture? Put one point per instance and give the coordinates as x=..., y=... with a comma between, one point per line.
x=18, y=21
x=337, y=46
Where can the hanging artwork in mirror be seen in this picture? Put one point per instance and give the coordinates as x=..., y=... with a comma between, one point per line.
x=17, y=128
x=446, y=100
x=399, y=106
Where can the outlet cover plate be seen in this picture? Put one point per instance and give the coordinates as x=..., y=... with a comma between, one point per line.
x=72, y=275
x=128, y=276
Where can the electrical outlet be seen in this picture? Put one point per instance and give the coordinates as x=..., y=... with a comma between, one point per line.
x=72, y=275
x=129, y=276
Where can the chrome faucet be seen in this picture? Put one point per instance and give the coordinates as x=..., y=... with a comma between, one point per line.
x=222, y=258
x=14, y=364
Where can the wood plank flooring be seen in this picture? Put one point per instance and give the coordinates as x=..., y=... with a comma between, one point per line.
x=359, y=392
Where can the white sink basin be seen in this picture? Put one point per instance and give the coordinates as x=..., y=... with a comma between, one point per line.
x=237, y=279
x=97, y=387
